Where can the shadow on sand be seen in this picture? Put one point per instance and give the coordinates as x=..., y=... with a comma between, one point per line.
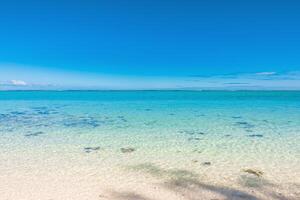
x=187, y=185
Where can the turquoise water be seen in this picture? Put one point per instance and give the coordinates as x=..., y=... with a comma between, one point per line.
x=182, y=129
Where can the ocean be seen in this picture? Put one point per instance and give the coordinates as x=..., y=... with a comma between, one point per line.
x=149, y=145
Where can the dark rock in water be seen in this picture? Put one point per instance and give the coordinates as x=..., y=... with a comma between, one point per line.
x=197, y=151
x=90, y=149
x=228, y=135
x=39, y=108
x=148, y=109
x=206, y=163
x=83, y=121
x=34, y=134
x=255, y=172
x=44, y=112
x=256, y=135
x=242, y=123
x=4, y=116
x=127, y=150
x=171, y=114
x=245, y=125
x=17, y=113
x=191, y=132
x=122, y=118
x=194, y=138
x=236, y=117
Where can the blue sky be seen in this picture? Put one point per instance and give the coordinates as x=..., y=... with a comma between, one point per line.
x=150, y=44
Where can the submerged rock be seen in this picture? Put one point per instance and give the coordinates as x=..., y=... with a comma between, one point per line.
x=206, y=163
x=34, y=134
x=122, y=118
x=192, y=132
x=197, y=151
x=245, y=125
x=194, y=138
x=255, y=172
x=127, y=150
x=17, y=113
x=256, y=135
x=90, y=149
x=83, y=121
x=236, y=117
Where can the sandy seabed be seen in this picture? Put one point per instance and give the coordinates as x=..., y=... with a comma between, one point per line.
x=58, y=178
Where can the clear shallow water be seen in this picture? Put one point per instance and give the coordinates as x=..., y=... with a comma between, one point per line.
x=213, y=134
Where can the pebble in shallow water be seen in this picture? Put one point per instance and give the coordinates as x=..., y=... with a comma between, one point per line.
x=206, y=163
x=195, y=138
x=236, y=117
x=127, y=150
x=255, y=172
x=90, y=149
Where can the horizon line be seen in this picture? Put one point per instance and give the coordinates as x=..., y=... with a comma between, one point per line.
x=155, y=90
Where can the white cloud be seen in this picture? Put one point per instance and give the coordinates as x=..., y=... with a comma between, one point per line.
x=18, y=82
x=266, y=73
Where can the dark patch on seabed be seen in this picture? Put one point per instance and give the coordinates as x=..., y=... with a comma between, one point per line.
x=256, y=135
x=17, y=113
x=245, y=125
x=93, y=122
x=83, y=121
x=236, y=117
x=127, y=150
x=34, y=134
x=192, y=132
x=199, y=115
x=150, y=123
x=122, y=118
x=36, y=116
x=194, y=138
x=43, y=110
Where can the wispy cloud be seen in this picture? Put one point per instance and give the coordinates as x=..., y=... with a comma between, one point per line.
x=41, y=79
x=18, y=83
x=256, y=80
x=265, y=73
